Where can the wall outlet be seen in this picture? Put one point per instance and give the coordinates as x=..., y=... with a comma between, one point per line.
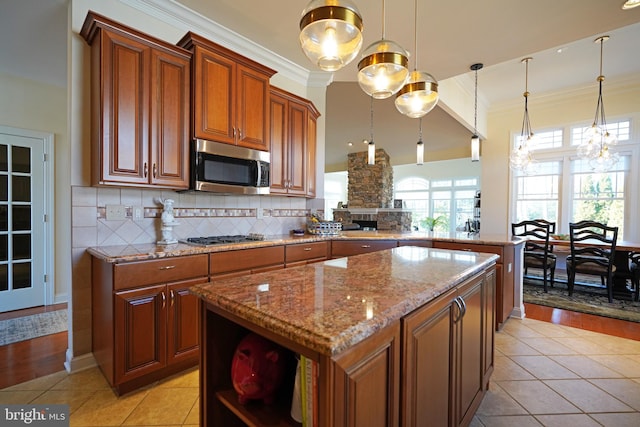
x=137, y=213
x=115, y=212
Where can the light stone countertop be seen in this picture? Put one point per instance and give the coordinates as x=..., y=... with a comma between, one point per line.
x=141, y=252
x=330, y=306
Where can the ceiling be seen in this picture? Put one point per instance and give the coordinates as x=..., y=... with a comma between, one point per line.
x=452, y=35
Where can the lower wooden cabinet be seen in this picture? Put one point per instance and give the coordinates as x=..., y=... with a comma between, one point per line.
x=149, y=328
x=245, y=261
x=305, y=253
x=342, y=248
x=447, y=361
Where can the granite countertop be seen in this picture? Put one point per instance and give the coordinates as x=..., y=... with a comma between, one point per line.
x=141, y=252
x=330, y=306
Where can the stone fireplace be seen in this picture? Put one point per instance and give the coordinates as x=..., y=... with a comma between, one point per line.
x=370, y=195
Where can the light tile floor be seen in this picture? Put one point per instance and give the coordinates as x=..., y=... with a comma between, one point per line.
x=545, y=375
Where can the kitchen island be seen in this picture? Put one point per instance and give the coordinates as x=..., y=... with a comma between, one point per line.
x=402, y=336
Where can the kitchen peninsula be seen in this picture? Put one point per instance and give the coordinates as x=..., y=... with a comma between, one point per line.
x=379, y=327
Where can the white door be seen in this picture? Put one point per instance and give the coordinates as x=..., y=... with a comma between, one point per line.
x=23, y=240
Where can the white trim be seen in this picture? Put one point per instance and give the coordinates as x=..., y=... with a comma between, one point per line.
x=80, y=363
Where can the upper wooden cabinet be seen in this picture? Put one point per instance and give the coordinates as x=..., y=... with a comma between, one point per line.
x=140, y=107
x=293, y=144
x=230, y=95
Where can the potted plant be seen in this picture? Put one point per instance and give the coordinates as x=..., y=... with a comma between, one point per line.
x=430, y=222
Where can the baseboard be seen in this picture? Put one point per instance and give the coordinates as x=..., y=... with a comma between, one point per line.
x=80, y=363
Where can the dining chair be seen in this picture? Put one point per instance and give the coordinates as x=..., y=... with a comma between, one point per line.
x=538, y=253
x=634, y=268
x=593, y=247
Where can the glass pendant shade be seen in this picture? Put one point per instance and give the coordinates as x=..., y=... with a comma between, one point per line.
x=418, y=96
x=383, y=71
x=331, y=33
x=475, y=148
x=420, y=152
x=521, y=159
x=371, y=153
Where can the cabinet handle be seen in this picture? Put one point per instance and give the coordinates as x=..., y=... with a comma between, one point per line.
x=365, y=246
x=466, y=249
x=464, y=306
x=146, y=169
x=457, y=301
x=173, y=296
x=307, y=249
x=164, y=300
x=155, y=170
x=166, y=267
x=240, y=134
x=234, y=133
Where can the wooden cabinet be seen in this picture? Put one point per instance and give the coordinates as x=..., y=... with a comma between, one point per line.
x=505, y=276
x=305, y=253
x=245, y=261
x=230, y=95
x=420, y=243
x=341, y=248
x=140, y=107
x=145, y=322
x=293, y=144
x=445, y=366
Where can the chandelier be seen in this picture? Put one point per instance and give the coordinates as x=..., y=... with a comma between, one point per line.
x=521, y=159
x=382, y=71
x=331, y=33
x=420, y=94
x=596, y=139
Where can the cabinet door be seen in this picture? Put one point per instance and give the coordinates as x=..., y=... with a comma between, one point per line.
x=311, y=154
x=469, y=352
x=428, y=364
x=184, y=321
x=123, y=141
x=279, y=107
x=489, y=329
x=252, y=98
x=213, y=97
x=366, y=380
x=140, y=331
x=297, y=149
x=170, y=77
x=340, y=248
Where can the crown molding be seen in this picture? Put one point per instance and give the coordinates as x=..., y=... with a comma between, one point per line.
x=179, y=16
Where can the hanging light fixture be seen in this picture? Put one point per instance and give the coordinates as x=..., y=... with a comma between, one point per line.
x=597, y=140
x=331, y=33
x=521, y=159
x=475, y=139
x=371, y=147
x=420, y=94
x=382, y=70
x=420, y=146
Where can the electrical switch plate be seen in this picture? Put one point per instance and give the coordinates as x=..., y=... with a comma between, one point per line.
x=137, y=213
x=115, y=212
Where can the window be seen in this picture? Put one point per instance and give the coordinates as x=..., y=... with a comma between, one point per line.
x=543, y=140
x=620, y=129
x=537, y=195
x=452, y=199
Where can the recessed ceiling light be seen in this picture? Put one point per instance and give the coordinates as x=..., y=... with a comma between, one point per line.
x=350, y=144
x=630, y=4
x=561, y=49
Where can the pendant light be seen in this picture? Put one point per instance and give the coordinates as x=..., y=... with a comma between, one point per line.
x=420, y=146
x=475, y=139
x=382, y=70
x=331, y=33
x=420, y=94
x=371, y=147
x=597, y=139
x=521, y=159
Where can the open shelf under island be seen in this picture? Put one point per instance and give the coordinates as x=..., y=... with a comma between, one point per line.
x=402, y=336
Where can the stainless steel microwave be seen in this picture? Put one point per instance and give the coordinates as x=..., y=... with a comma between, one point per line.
x=224, y=168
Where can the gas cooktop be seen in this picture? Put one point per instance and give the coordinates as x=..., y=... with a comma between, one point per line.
x=220, y=240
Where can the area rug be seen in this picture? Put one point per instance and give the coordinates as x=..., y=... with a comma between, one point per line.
x=585, y=299
x=33, y=326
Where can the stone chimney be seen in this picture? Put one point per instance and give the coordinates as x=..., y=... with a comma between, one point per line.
x=370, y=186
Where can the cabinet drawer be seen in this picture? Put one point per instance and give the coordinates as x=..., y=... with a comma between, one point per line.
x=245, y=259
x=353, y=247
x=306, y=251
x=491, y=249
x=141, y=273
